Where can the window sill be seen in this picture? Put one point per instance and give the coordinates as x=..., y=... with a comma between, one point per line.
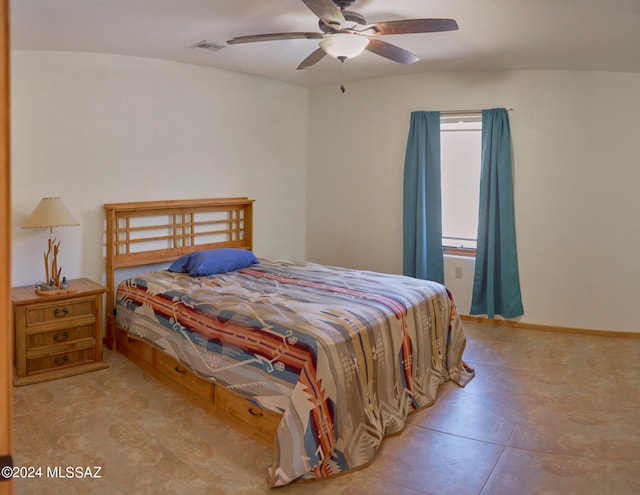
x=466, y=252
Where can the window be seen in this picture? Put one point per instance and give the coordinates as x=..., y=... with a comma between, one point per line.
x=461, y=144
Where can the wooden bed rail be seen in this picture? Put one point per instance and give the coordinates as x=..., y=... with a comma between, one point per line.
x=150, y=232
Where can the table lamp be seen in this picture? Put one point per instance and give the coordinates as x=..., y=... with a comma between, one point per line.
x=51, y=212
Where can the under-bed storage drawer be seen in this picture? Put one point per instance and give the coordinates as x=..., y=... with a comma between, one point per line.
x=261, y=424
x=135, y=349
x=177, y=372
x=246, y=411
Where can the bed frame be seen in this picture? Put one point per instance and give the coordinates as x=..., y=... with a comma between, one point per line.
x=151, y=232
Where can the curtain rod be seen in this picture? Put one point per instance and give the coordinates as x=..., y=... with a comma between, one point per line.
x=457, y=112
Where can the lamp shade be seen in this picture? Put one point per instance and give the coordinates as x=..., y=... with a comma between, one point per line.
x=343, y=45
x=50, y=212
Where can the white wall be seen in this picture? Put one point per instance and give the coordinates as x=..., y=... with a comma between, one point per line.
x=97, y=129
x=103, y=128
x=576, y=173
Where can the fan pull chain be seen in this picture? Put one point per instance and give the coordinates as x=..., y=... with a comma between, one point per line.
x=342, y=88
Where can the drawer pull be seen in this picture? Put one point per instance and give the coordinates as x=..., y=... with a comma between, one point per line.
x=133, y=341
x=179, y=370
x=254, y=413
x=59, y=337
x=61, y=313
x=61, y=360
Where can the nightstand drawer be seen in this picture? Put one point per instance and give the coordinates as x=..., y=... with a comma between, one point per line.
x=176, y=371
x=60, y=311
x=61, y=360
x=65, y=335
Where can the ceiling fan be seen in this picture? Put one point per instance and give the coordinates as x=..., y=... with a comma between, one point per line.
x=346, y=34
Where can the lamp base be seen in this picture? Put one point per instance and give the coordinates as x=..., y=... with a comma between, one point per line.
x=54, y=292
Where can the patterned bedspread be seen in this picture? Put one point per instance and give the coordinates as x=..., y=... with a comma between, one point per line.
x=343, y=355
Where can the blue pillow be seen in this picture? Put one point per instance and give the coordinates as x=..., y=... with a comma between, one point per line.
x=202, y=263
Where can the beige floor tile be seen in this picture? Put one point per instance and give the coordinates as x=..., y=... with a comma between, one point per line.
x=50, y=486
x=545, y=428
x=622, y=476
x=525, y=472
x=371, y=481
x=501, y=382
x=564, y=405
x=29, y=440
x=434, y=462
x=20, y=406
x=623, y=440
x=479, y=417
x=60, y=393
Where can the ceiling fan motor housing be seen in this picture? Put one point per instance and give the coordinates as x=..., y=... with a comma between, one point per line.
x=353, y=20
x=343, y=4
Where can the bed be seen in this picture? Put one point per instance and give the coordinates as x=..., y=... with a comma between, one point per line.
x=319, y=361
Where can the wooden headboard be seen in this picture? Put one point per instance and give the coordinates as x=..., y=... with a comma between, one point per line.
x=151, y=232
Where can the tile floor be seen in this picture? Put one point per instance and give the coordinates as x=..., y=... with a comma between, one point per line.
x=548, y=413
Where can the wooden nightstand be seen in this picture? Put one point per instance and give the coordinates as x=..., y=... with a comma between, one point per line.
x=57, y=335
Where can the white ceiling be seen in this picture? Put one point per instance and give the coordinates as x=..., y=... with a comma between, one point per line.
x=493, y=34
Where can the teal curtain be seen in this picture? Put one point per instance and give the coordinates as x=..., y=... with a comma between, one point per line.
x=422, y=209
x=496, y=285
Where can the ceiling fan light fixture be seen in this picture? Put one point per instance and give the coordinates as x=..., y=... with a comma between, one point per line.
x=343, y=45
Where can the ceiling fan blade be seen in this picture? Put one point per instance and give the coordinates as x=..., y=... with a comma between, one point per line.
x=409, y=26
x=273, y=37
x=391, y=52
x=315, y=57
x=328, y=12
